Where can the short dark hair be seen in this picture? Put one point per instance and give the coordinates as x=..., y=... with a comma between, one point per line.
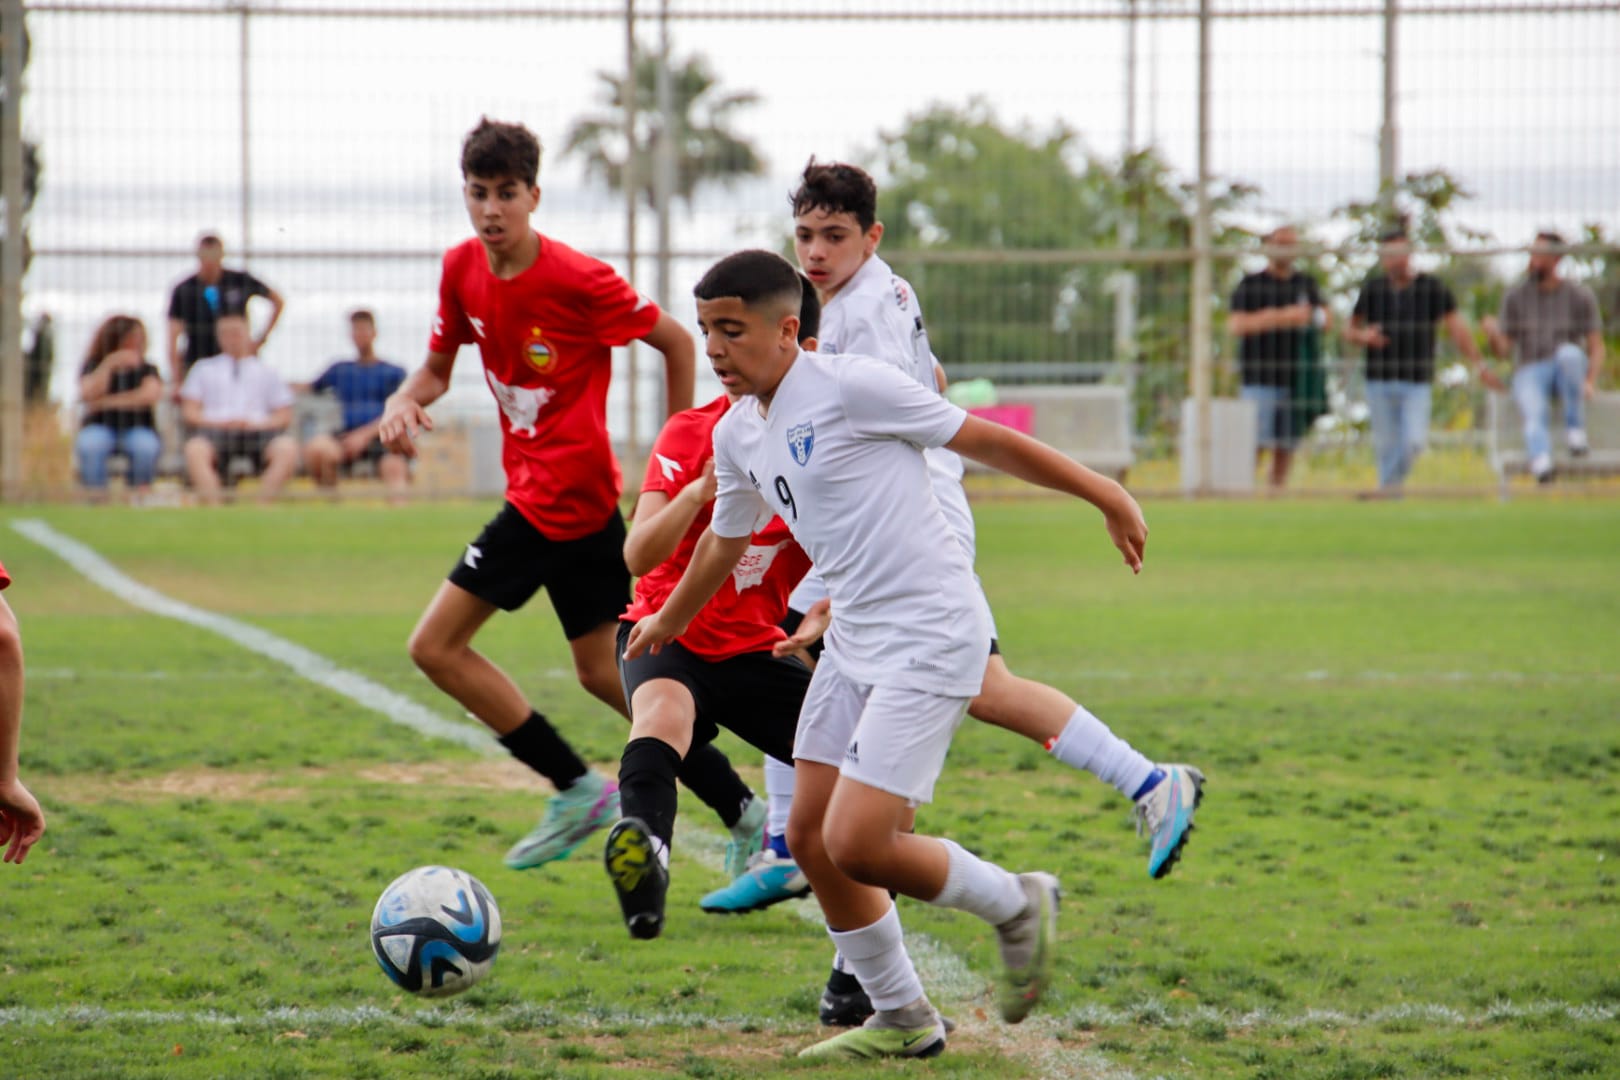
x=809, y=310
x=838, y=189
x=494, y=150
x=362, y=315
x=1547, y=236
x=1392, y=234
x=209, y=239
x=757, y=278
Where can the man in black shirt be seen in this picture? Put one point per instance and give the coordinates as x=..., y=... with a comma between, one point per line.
x=199, y=301
x=1395, y=318
x=1271, y=312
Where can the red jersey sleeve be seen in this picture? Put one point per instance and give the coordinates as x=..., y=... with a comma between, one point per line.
x=619, y=314
x=451, y=330
x=5, y=578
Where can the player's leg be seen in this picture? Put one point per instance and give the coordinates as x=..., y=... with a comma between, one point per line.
x=280, y=458
x=864, y=925
x=894, y=757
x=395, y=472
x=589, y=586
x=322, y=455
x=1165, y=797
x=861, y=919
x=1532, y=391
x=202, y=469
x=758, y=696
x=501, y=571
x=663, y=711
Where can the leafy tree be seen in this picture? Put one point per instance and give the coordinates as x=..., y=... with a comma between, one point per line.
x=958, y=180
x=705, y=146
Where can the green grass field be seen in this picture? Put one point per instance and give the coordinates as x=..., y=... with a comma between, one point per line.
x=1407, y=864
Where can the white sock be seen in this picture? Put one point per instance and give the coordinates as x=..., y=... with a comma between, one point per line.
x=979, y=888
x=1087, y=743
x=778, y=795
x=876, y=955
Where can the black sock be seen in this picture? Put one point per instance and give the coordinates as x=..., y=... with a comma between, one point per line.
x=536, y=743
x=710, y=776
x=647, y=785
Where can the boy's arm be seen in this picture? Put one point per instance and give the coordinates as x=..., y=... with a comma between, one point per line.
x=22, y=822
x=712, y=562
x=660, y=521
x=671, y=339
x=405, y=412
x=1028, y=459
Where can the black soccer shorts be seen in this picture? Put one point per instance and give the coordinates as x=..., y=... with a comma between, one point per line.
x=512, y=560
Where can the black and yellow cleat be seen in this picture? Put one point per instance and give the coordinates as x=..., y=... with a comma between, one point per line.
x=638, y=876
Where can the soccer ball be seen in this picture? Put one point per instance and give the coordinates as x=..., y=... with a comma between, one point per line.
x=436, y=931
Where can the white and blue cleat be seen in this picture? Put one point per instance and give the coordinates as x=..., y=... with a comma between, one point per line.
x=768, y=880
x=1166, y=815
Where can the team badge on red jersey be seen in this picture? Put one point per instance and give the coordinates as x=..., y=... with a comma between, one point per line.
x=538, y=351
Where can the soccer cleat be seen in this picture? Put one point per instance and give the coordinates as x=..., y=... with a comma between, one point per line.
x=638, y=876
x=1026, y=941
x=747, y=838
x=769, y=880
x=1166, y=814
x=844, y=1002
x=874, y=1039
x=571, y=816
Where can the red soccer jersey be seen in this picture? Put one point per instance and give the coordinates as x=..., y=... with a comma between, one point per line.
x=5, y=578
x=546, y=338
x=742, y=617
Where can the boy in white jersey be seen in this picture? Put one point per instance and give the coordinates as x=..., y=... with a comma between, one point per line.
x=832, y=447
x=871, y=311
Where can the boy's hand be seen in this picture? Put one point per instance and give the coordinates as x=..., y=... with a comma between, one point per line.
x=22, y=822
x=702, y=487
x=810, y=630
x=402, y=418
x=650, y=635
x=1127, y=529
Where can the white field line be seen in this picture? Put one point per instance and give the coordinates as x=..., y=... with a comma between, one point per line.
x=1149, y=1014
x=311, y=665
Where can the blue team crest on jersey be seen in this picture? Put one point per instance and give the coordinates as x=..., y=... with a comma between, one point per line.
x=801, y=440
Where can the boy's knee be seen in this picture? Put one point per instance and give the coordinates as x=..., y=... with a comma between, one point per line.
x=856, y=856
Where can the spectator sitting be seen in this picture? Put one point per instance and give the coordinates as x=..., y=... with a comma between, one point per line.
x=235, y=405
x=119, y=386
x=362, y=385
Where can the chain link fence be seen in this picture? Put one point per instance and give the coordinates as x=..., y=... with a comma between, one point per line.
x=1039, y=164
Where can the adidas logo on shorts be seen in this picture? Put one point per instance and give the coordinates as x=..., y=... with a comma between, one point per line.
x=854, y=752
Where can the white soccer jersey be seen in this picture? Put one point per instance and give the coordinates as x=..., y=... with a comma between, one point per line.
x=838, y=458
x=877, y=313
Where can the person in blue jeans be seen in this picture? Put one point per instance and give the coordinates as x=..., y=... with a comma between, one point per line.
x=1395, y=319
x=1551, y=327
x=118, y=386
x=362, y=385
x=1271, y=311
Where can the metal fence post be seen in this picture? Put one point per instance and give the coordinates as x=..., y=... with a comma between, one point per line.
x=632, y=441
x=11, y=256
x=1202, y=271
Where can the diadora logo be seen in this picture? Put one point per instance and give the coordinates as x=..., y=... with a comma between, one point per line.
x=668, y=466
x=474, y=553
x=477, y=325
x=801, y=440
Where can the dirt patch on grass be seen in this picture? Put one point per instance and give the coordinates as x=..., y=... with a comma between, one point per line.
x=251, y=785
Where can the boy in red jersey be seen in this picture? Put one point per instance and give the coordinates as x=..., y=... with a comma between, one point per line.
x=545, y=318
x=720, y=673
x=22, y=822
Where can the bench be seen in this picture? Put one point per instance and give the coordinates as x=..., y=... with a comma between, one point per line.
x=1091, y=424
x=1505, y=437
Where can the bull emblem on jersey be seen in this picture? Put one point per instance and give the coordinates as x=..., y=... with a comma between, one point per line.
x=801, y=440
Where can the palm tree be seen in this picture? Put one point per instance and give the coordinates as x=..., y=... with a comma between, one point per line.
x=704, y=147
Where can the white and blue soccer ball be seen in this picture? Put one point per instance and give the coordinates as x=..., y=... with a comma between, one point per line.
x=436, y=931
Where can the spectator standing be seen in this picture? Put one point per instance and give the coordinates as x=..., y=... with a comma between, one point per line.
x=362, y=386
x=234, y=405
x=1271, y=312
x=1394, y=320
x=1551, y=327
x=118, y=386
x=199, y=301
